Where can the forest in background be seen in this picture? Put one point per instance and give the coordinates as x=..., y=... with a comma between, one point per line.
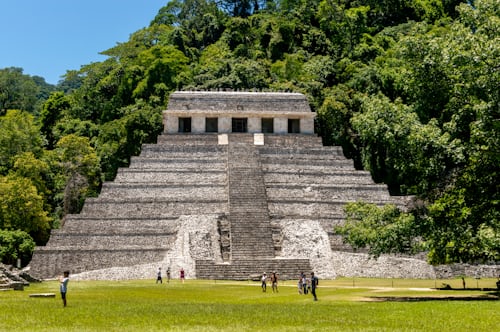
x=410, y=90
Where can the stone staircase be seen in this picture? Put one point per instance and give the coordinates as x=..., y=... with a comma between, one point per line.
x=253, y=248
x=251, y=233
x=252, y=269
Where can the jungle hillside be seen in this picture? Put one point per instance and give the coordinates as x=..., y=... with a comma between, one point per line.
x=410, y=90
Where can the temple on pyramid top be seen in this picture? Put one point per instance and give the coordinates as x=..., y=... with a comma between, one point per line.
x=238, y=112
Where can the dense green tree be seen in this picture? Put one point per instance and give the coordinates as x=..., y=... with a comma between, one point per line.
x=17, y=91
x=18, y=134
x=71, y=81
x=52, y=111
x=443, y=144
x=382, y=229
x=120, y=139
x=21, y=208
x=26, y=165
x=76, y=172
x=15, y=245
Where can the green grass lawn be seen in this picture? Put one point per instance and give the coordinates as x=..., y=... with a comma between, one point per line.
x=200, y=305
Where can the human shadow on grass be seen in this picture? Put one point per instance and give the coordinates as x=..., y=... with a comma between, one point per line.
x=492, y=296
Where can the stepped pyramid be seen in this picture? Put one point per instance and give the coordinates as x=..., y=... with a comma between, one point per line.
x=237, y=184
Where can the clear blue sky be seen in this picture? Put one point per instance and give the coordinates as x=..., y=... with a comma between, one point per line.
x=48, y=37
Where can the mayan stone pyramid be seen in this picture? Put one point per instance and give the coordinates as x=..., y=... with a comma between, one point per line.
x=238, y=184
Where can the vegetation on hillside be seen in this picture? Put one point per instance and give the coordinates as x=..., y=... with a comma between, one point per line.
x=409, y=89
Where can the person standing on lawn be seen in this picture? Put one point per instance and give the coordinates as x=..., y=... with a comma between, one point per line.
x=314, y=285
x=63, y=286
x=158, y=277
x=183, y=275
x=263, y=279
x=274, y=282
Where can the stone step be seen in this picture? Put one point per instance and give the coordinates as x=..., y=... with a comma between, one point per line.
x=80, y=225
x=354, y=193
x=325, y=177
x=50, y=262
x=300, y=152
x=170, y=176
x=152, y=149
x=176, y=192
x=76, y=222
x=151, y=208
x=185, y=164
x=188, y=139
x=305, y=164
x=292, y=140
x=252, y=269
x=105, y=241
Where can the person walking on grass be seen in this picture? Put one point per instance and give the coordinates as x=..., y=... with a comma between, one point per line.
x=274, y=282
x=314, y=285
x=63, y=286
x=299, y=285
x=168, y=275
x=264, y=281
x=304, y=282
x=158, y=276
x=183, y=275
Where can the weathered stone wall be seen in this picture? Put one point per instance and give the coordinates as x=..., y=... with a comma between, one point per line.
x=460, y=270
x=238, y=101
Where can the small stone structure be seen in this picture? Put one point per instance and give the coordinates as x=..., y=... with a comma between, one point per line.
x=238, y=184
x=12, y=278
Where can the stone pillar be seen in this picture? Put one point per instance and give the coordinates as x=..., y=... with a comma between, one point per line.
x=198, y=124
x=222, y=139
x=307, y=126
x=254, y=125
x=225, y=125
x=280, y=125
x=171, y=124
x=258, y=139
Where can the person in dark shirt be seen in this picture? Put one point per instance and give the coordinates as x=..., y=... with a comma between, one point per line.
x=274, y=282
x=314, y=285
x=158, y=276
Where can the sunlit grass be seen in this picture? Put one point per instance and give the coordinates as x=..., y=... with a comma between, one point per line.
x=197, y=305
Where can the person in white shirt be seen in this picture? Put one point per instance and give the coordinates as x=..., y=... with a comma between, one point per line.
x=63, y=286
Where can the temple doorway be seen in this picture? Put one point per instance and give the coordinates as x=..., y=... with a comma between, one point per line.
x=184, y=125
x=239, y=125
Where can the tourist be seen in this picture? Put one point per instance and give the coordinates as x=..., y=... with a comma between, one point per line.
x=168, y=275
x=274, y=282
x=264, y=282
x=304, y=282
x=314, y=285
x=183, y=275
x=63, y=286
x=299, y=284
x=158, y=277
